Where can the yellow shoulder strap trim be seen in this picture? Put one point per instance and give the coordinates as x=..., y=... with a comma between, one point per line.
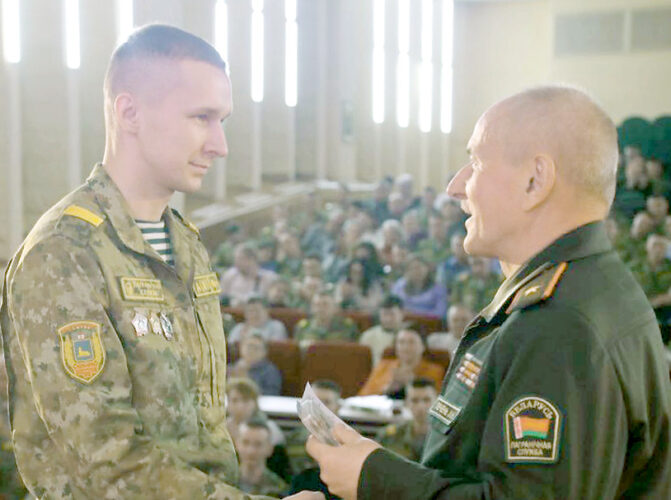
x=192, y=226
x=84, y=214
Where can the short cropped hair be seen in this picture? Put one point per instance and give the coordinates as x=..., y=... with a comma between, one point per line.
x=246, y=387
x=327, y=385
x=422, y=383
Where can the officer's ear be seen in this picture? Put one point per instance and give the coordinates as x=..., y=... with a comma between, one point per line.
x=126, y=112
x=540, y=181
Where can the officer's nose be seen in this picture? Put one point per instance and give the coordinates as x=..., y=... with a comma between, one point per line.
x=457, y=186
x=218, y=145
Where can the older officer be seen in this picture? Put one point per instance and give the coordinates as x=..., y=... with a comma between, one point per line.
x=559, y=388
x=110, y=316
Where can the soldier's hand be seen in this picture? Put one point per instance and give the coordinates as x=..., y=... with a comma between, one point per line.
x=307, y=495
x=341, y=465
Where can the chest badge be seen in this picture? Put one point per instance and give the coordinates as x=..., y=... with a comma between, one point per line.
x=155, y=323
x=166, y=325
x=532, y=431
x=140, y=323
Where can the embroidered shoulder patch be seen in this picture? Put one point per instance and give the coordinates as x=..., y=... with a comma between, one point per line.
x=444, y=411
x=82, y=350
x=533, y=429
x=206, y=285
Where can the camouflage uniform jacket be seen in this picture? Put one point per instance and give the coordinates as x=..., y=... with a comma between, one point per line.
x=270, y=484
x=339, y=329
x=116, y=360
x=400, y=438
x=298, y=455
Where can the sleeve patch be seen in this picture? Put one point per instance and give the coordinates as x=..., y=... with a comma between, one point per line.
x=82, y=350
x=533, y=428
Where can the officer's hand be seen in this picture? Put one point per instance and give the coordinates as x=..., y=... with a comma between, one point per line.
x=307, y=495
x=341, y=465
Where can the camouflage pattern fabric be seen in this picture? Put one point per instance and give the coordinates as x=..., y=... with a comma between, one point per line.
x=115, y=360
x=270, y=484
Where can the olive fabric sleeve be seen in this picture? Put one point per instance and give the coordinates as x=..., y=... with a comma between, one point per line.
x=548, y=353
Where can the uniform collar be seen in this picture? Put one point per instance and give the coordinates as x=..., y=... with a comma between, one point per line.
x=590, y=239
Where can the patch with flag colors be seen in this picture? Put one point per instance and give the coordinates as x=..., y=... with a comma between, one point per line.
x=533, y=427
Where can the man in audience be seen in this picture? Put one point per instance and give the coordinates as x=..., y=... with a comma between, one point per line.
x=405, y=187
x=392, y=234
x=305, y=469
x=320, y=237
x=560, y=388
x=395, y=206
x=633, y=249
x=312, y=265
x=325, y=322
x=280, y=294
x=307, y=288
x=246, y=278
x=289, y=255
x=254, y=364
x=254, y=448
x=390, y=376
x=436, y=247
x=412, y=227
x=658, y=208
x=458, y=317
x=381, y=336
x=630, y=197
x=328, y=393
x=108, y=396
x=476, y=288
x=407, y=438
x=257, y=322
x=653, y=272
x=456, y=264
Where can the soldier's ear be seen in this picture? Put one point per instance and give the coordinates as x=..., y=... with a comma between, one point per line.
x=540, y=181
x=126, y=112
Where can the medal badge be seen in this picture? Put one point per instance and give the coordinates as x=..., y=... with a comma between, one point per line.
x=155, y=324
x=140, y=323
x=168, y=331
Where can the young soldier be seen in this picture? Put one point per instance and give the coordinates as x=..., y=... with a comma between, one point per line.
x=407, y=438
x=254, y=448
x=113, y=342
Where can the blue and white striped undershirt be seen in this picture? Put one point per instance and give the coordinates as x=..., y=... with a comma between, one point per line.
x=156, y=234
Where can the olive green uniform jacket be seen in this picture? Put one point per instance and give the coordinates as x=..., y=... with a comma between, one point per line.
x=116, y=360
x=559, y=390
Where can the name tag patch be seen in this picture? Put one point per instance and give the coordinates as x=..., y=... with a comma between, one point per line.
x=532, y=431
x=444, y=411
x=206, y=285
x=82, y=350
x=141, y=289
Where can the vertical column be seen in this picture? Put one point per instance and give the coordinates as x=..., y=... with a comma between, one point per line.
x=74, y=130
x=291, y=143
x=322, y=42
x=256, y=146
x=15, y=158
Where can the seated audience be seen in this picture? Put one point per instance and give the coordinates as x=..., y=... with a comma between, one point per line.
x=266, y=250
x=312, y=265
x=404, y=185
x=381, y=336
x=456, y=264
x=390, y=376
x=412, y=226
x=242, y=398
x=306, y=470
x=245, y=278
x=279, y=294
x=654, y=271
x=258, y=322
x=658, y=208
x=305, y=292
x=289, y=255
x=436, y=247
x=366, y=251
x=325, y=322
x=359, y=289
x=254, y=364
x=476, y=288
x=630, y=195
x=254, y=449
x=407, y=438
x=634, y=249
x=458, y=318
x=392, y=234
x=419, y=291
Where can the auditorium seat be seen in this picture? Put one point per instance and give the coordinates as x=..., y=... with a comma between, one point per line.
x=346, y=363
